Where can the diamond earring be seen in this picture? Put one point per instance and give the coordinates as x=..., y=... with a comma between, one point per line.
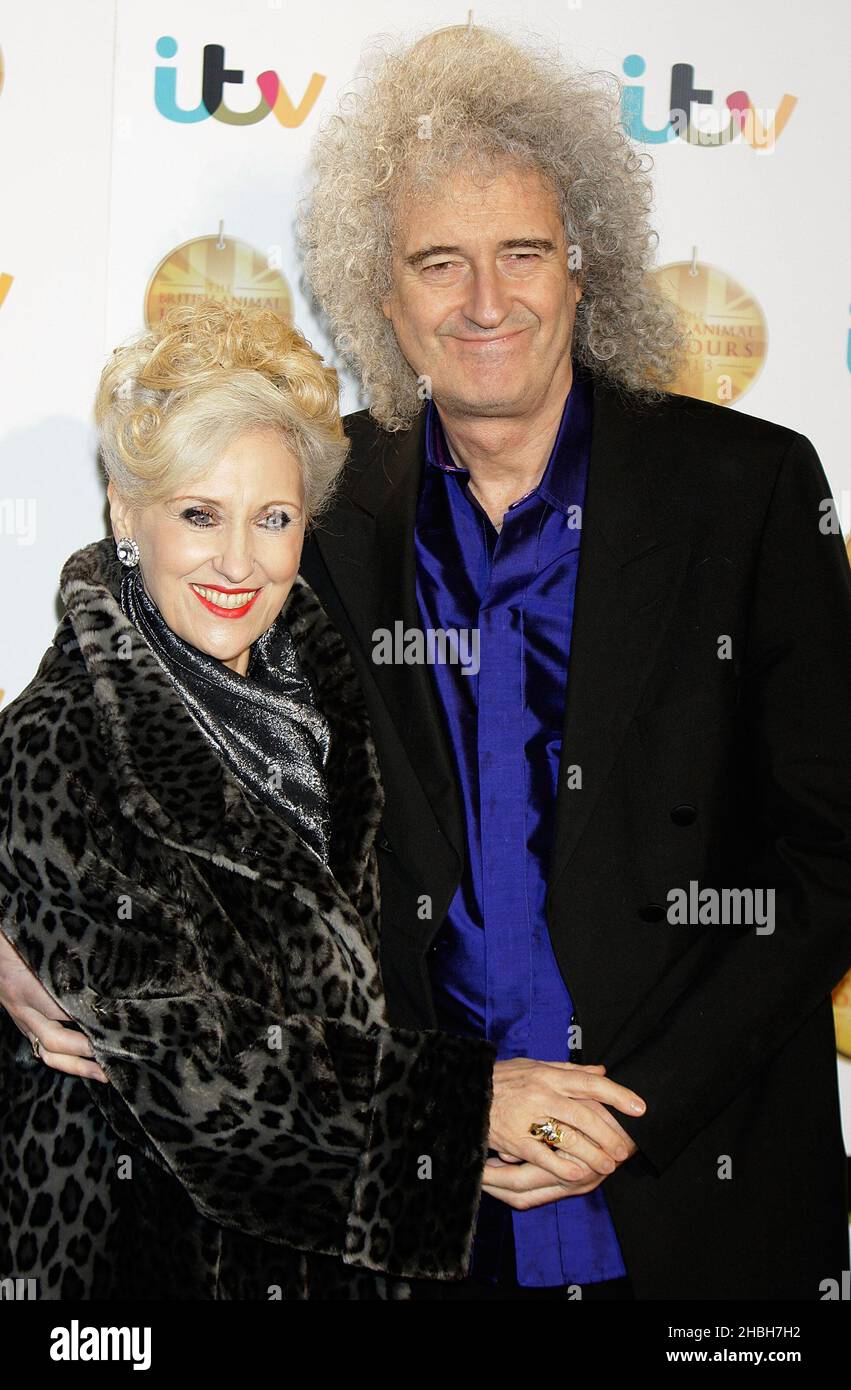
x=127, y=551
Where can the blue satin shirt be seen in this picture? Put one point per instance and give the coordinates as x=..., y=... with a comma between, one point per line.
x=494, y=972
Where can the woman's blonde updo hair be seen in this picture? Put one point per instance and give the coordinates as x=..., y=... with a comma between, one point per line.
x=171, y=400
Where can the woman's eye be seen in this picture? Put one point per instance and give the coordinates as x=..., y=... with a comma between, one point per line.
x=276, y=521
x=196, y=517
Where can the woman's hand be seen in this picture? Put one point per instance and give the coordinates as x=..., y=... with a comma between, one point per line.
x=526, y=1091
x=32, y=1010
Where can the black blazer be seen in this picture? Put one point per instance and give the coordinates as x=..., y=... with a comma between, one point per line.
x=708, y=709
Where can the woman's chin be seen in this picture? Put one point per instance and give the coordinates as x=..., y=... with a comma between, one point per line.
x=226, y=646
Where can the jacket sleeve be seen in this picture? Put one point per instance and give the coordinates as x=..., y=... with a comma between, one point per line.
x=796, y=692
x=364, y=1144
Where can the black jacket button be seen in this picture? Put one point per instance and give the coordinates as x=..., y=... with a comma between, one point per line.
x=652, y=912
x=684, y=815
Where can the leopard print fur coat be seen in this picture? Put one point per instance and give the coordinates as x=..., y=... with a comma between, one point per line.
x=266, y=1133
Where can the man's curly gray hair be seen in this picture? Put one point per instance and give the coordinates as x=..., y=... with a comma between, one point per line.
x=489, y=102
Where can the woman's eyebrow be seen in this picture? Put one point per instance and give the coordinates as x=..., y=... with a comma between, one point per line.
x=216, y=502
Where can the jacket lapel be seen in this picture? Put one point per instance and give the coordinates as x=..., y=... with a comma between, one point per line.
x=372, y=563
x=632, y=562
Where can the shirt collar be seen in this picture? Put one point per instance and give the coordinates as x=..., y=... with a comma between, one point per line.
x=558, y=485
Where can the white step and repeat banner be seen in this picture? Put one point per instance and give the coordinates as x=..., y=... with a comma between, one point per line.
x=122, y=190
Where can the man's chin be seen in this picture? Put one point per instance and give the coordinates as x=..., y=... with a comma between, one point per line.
x=486, y=399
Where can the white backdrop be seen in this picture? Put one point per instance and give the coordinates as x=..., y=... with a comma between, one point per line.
x=97, y=186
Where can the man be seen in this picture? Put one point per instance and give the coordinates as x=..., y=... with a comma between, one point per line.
x=617, y=812
x=540, y=821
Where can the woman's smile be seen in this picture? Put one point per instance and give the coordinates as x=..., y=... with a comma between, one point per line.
x=225, y=603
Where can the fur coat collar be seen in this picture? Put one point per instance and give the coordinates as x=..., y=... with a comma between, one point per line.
x=194, y=802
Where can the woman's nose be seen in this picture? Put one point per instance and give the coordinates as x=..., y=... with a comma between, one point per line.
x=236, y=562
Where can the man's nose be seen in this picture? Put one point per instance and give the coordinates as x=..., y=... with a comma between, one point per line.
x=488, y=300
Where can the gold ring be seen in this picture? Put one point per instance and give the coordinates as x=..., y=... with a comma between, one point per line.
x=35, y=1045
x=550, y=1133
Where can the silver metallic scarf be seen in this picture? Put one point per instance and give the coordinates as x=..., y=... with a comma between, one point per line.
x=265, y=724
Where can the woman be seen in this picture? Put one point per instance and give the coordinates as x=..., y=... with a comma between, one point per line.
x=190, y=799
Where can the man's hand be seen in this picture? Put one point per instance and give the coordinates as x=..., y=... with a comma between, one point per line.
x=33, y=1011
x=526, y=1185
x=528, y=1172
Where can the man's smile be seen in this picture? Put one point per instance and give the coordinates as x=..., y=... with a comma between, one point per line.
x=504, y=340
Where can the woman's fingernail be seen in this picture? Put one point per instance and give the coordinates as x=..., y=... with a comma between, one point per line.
x=639, y=1107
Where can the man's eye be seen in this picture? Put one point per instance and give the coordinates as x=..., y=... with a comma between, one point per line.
x=195, y=516
x=441, y=265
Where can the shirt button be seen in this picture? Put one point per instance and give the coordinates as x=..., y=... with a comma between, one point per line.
x=684, y=815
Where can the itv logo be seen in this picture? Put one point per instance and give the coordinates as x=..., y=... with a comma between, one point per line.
x=760, y=128
x=274, y=96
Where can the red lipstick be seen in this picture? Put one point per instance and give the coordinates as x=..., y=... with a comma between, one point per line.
x=219, y=609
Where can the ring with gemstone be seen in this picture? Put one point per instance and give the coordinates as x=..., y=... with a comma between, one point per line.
x=549, y=1133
